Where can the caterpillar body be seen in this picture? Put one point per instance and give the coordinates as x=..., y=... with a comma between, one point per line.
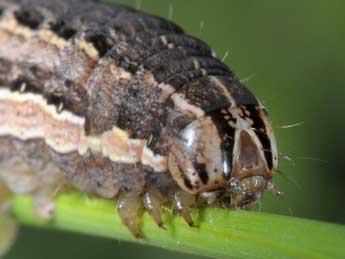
x=119, y=103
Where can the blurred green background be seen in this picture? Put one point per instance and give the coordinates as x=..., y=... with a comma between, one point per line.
x=292, y=56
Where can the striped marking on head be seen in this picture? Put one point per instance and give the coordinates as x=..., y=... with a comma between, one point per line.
x=182, y=105
x=224, y=90
x=89, y=49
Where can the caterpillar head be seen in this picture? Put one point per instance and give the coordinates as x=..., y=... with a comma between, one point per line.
x=229, y=151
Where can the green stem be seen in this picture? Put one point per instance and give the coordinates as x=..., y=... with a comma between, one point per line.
x=221, y=233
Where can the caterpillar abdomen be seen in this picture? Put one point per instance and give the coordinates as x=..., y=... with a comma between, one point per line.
x=112, y=100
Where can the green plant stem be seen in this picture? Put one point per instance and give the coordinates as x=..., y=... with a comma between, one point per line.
x=220, y=233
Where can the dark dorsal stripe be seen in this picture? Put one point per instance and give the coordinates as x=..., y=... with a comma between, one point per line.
x=63, y=30
x=201, y=93
x=30, y=18
x=227, y=135
x=20, y=84
x=102, y=43
x=25, y=86
x=260, y=131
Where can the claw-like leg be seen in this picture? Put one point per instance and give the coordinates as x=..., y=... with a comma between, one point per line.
x=128, y=207
x=183, y=202
x=153, y=201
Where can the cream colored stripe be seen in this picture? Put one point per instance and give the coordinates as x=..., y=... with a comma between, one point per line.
x=6, y=94
x=182, y=105
x=51, y=38
x=11, y=25
x=29, y=116
x=224, y=90
x=157, y=162
x=114, y=144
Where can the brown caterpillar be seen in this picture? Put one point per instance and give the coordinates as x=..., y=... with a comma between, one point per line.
x=117, y=102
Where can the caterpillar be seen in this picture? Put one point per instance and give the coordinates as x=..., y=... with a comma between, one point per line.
x=122, y=104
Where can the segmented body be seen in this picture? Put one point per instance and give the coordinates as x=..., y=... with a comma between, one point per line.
x=110, y=99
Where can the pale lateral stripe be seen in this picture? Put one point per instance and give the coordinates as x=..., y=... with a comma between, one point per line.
x=11, y=25
x=157, y=162
x=183, y=106
x=114, y=144
x=167, y=91
x=51, y=38
x=63, y=140
x=28, y=135
x=89, y=49
x=6, y=94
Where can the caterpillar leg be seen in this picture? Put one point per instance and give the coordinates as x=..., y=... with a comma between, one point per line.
x=129, y=206
x=183, y=202
x=153, y=201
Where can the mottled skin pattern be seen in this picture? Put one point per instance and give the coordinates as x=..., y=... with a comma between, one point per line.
x=121, y=68
x=27, y=168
